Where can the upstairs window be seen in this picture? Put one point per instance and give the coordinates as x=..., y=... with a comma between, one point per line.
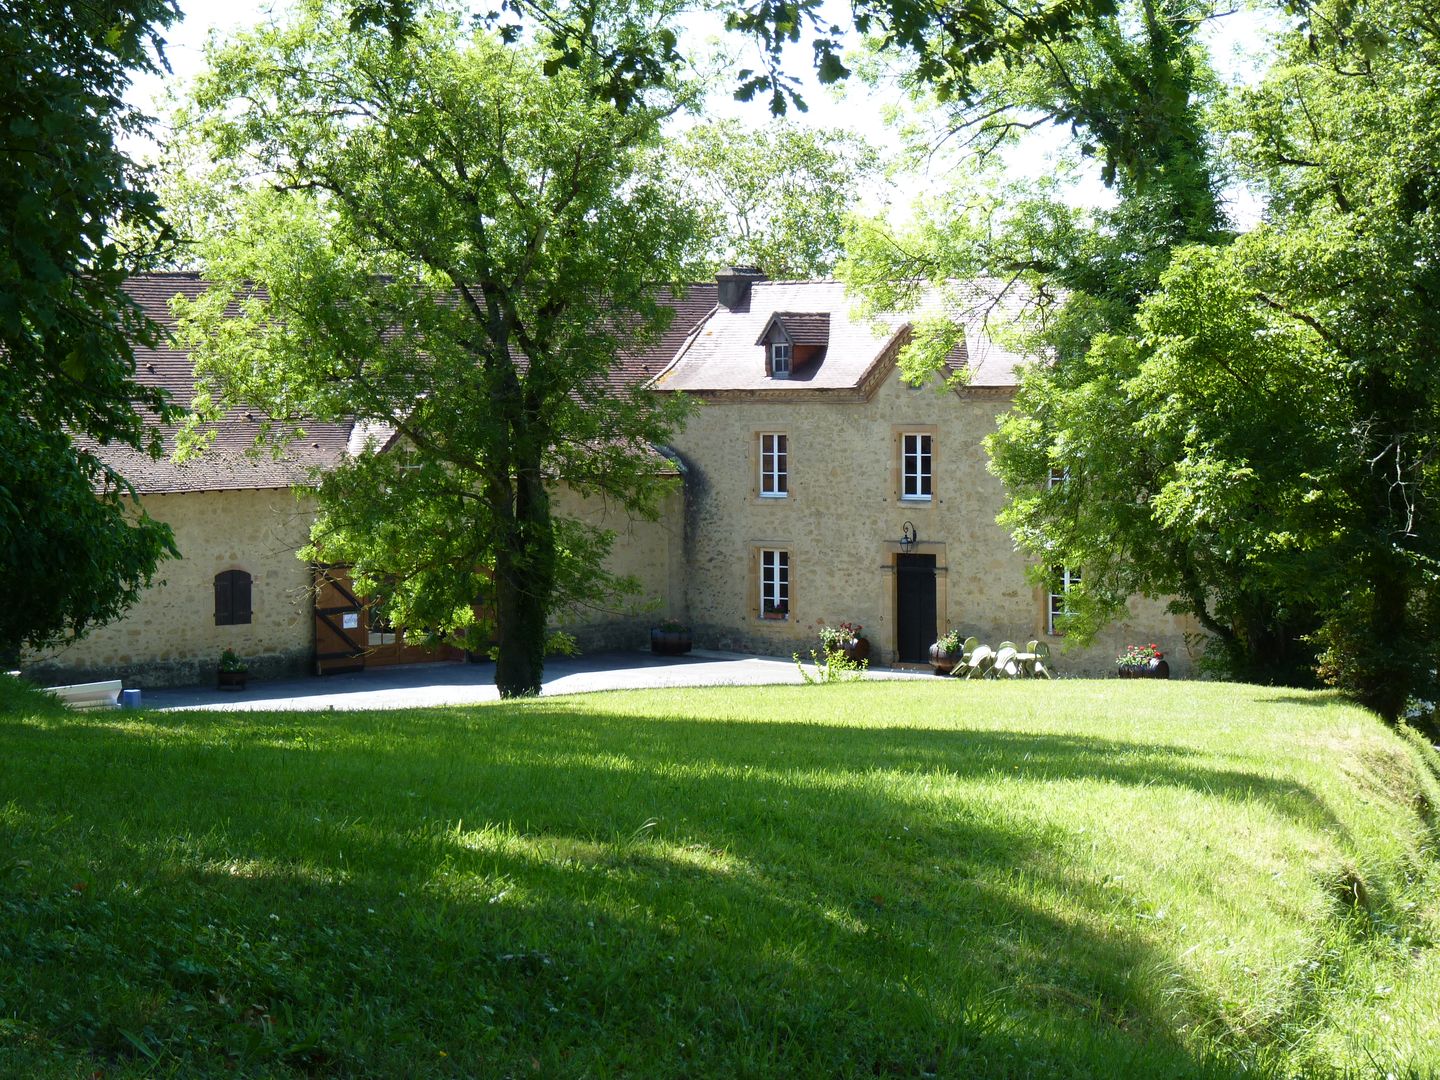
x=1058, y=477
x=779, y=359
x=774, y=466
x=232, y=598
x=915, y=466
x=1065, y=578
x=774, y=583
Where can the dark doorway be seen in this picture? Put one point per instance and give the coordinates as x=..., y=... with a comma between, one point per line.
x=914, y=607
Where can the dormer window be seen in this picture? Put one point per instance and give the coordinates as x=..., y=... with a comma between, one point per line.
x=794, y=341
x=780, y=359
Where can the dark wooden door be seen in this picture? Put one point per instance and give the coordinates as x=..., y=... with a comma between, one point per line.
x=914, y=607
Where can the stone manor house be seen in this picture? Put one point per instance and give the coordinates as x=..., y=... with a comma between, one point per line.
x=813, y=485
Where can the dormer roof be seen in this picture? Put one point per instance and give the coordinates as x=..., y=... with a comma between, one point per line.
x=799, y=328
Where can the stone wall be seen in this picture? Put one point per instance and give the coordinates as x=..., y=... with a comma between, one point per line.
x=169, y=638
x=842, y=521
x=651, y=552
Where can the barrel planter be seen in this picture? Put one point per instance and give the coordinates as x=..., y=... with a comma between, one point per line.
x=1156, y=669
x=670, y=642
x=231, y=680
x=943, y=662
x=858, y=651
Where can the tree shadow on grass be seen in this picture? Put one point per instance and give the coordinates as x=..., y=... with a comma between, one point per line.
x=497, y=905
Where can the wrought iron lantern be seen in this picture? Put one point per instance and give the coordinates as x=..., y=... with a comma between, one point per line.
x=908, y=538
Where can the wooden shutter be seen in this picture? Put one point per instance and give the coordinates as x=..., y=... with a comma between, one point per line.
x=239, y=596
x=232, y=597
x=223, y=607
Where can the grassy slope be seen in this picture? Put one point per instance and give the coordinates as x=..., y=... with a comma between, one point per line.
x=1083, y=878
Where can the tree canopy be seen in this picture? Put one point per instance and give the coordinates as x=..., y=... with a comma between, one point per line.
x=75, y=549
x=777, y=197
x=1244, y=423
x=435, y=236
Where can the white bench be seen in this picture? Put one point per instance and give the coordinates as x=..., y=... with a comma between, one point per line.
x=89, y=695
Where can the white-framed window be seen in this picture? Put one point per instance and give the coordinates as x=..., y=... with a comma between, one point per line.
x=409, y=460
x=780, y=359
x=774, y=465
x=915, y=466
x=774, y=583
x=1065, y=577
x=1058, y=477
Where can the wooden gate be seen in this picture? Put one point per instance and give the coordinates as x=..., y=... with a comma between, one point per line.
x=341, y=635
x=351, y=635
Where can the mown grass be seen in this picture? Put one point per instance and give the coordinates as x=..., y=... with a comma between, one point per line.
x=1073, y=879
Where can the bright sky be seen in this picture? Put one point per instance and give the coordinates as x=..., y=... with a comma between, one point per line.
x=1237, y=43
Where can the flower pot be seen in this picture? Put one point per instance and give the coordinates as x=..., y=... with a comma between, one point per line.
x=670, y=642
x=943, y=662
x=1155, y=668
x=231, y=680
x=857, y=651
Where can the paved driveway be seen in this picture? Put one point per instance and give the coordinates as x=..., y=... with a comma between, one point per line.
x=417, y=685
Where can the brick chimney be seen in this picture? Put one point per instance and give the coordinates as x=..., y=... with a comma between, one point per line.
x=734, y=283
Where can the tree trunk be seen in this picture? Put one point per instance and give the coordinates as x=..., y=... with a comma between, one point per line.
x=1386, y=672
x=524, y=584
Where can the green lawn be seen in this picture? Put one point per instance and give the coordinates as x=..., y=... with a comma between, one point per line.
x=881, y=879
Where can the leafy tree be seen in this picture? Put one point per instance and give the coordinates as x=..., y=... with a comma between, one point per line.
x=433, y=235
x=1248, y=425
x=777, y=197
x=1344, y=134
x=75, y=549
x=1134, y=87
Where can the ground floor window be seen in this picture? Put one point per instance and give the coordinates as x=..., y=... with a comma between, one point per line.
x=1064, y=577
x=774, y=583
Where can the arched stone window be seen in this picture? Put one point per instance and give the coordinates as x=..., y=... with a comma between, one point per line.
x=232, y=597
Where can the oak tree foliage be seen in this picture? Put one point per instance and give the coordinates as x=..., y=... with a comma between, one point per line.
x=451, y=239
x=1243, y=423
x=76, y=219
x=777, y=197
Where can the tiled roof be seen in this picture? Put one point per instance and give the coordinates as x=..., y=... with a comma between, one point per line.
x=691, y=307
x=225, y=465
x=723, y=354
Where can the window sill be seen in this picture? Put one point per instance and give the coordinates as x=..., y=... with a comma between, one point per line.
x=917, y=498
x=772, y=495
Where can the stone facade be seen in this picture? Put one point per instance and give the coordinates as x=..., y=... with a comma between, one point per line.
x=844, y=412
x=842, y=518
x=650, y=552
x=169, y=638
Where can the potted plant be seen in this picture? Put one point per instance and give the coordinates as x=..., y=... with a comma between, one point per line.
x=232, y=671
x=772, y=610
x=1142, y=662
x=670, y=638
x=945, y=653
x=847, y=639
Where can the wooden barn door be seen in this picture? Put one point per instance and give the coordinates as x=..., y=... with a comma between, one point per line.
x=341, y=635
x=352, y=634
